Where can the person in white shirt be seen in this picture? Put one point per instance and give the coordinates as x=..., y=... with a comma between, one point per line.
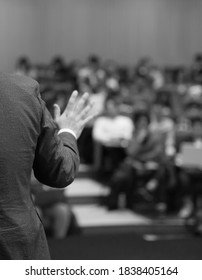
x=111, y=133
x=112, y=128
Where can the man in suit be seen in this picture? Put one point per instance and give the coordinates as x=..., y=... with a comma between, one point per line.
x=30, y=139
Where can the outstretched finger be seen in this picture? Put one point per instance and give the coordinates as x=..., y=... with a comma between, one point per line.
x=72, y=101
x=56, y=111
x=85, y=111
x=82, y=101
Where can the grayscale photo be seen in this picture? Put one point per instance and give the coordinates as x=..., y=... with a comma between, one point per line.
x=101, y=131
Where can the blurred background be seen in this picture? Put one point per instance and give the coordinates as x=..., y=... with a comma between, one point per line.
x=138, y=191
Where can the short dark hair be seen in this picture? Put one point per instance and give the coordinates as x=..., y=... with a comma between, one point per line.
x=198, y=57
x=195, y=120
x=137, y=115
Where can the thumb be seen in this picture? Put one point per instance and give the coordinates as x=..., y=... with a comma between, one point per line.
x=56, y=111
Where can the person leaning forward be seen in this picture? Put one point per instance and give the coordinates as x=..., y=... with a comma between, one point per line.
x=31, y=139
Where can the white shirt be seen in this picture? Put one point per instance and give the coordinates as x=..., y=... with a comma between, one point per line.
x=108, y=129
x=67, y=130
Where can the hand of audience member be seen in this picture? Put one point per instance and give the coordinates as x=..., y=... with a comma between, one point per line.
x=76, y=115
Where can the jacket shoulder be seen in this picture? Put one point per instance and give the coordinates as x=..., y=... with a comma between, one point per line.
x=24, y=83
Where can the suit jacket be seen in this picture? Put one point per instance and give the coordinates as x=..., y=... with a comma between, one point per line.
x=28, y=140
x=150, y=149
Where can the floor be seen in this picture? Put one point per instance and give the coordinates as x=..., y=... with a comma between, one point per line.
x=120, y=234
x=125, y=246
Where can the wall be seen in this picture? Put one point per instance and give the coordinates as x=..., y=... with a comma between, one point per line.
x=167, y=30
x=19, y=31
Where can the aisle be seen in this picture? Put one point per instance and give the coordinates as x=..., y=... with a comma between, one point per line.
x=86, y=196
x=120, y=234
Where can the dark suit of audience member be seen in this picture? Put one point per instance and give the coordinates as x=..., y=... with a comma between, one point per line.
x=29, y=139
x=145, y=152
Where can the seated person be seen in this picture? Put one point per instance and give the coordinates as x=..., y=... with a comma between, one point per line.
x=111, y=132
x=189, y=175
x=196, y=71
x=58, y=69
x=144, y=152
x=23, y=66
x=162, y=122
x=112, y=128
x=85, y=141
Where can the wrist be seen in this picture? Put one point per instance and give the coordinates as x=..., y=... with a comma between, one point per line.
x=68, y=131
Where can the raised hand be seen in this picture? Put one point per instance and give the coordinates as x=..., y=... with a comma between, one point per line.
x=76, y=115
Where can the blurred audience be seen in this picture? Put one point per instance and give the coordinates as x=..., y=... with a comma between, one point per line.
x=146, y=112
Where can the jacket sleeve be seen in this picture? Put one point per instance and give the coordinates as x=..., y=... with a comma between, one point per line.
x=56, y=159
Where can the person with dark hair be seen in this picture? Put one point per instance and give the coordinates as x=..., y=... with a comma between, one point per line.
x=58, y=68
x=196, y=71
x=143, y=67
x=30, y=139
x=23, y=66
x=145, y=150
x=111, y=133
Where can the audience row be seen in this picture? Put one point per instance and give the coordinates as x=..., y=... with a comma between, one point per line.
x=149, y=118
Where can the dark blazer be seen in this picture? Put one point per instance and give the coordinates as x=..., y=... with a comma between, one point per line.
x=152, y=148
x=28, y=140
